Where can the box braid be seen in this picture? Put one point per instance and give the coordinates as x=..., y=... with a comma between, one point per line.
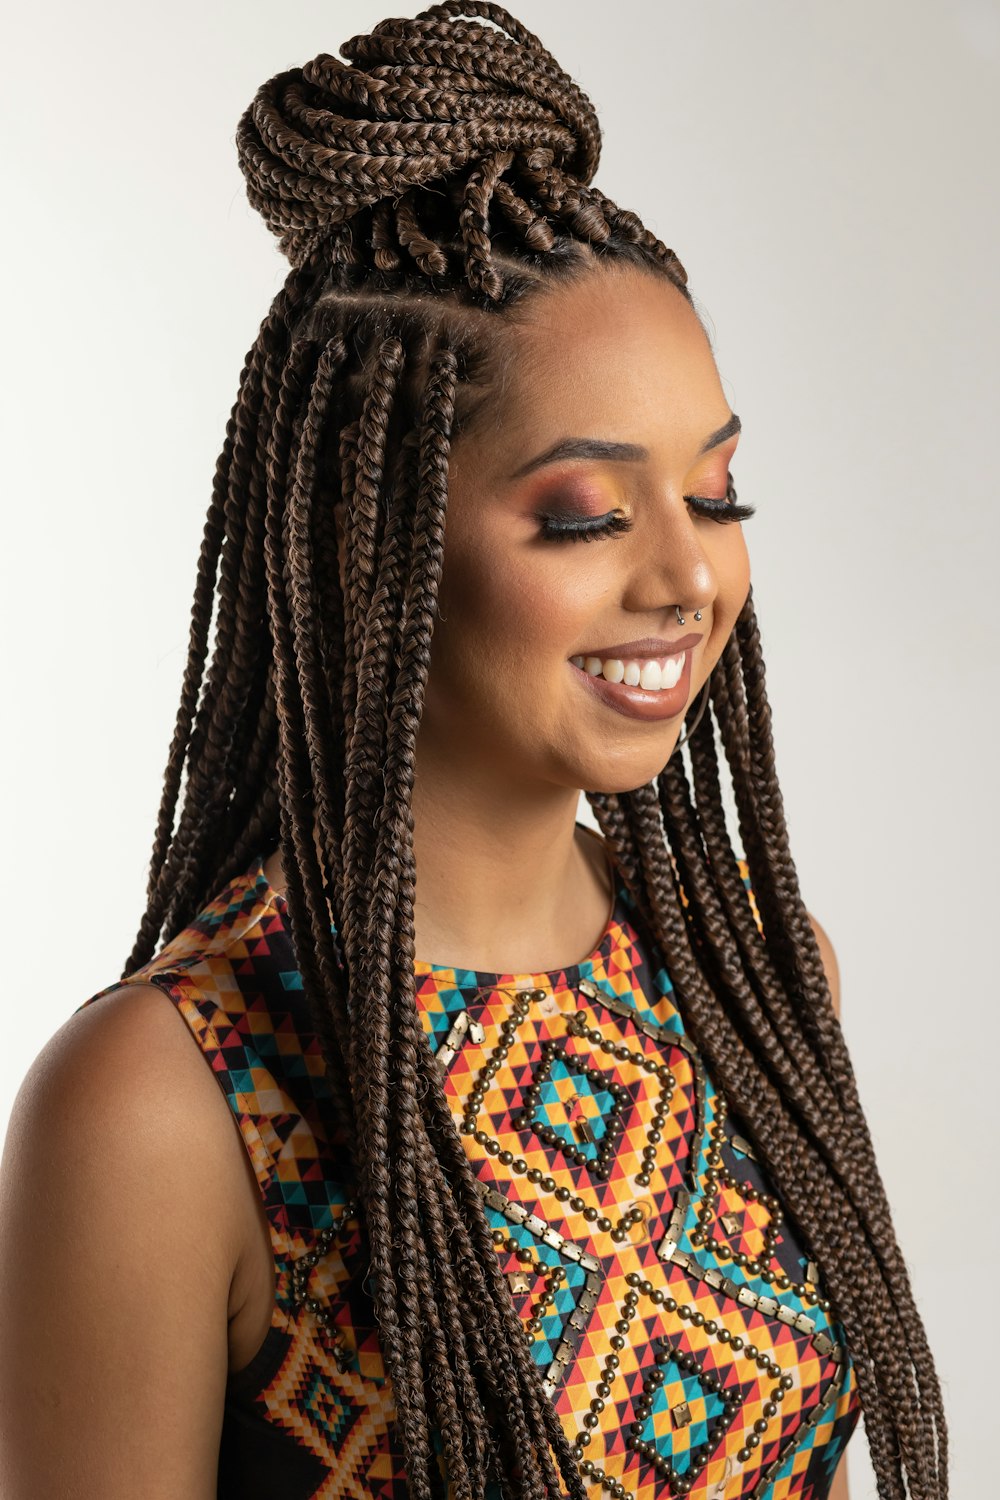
x=423, y=191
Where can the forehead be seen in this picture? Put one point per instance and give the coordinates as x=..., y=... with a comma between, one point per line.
x=618, y=353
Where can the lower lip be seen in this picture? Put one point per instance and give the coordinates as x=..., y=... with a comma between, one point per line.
x=637, y=702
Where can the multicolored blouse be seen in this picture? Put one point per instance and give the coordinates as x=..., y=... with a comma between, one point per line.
x=681, y=1332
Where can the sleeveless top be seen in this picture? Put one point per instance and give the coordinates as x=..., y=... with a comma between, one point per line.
x=681, y=1332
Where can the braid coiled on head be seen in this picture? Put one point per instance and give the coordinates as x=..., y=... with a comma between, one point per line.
x=422, y=187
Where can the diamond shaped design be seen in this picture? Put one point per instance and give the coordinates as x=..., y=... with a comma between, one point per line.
x=700, y=1427
x=575, y=1108
x=682, y=1413
x=741, y=1222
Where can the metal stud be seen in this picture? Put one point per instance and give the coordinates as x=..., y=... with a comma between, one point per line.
x=680, y=1414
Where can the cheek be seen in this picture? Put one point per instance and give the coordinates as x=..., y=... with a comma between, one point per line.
x=732, y=561
x=509, y=608
x=731, y=564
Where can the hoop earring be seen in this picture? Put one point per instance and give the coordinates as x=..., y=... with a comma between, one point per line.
x=697, y=718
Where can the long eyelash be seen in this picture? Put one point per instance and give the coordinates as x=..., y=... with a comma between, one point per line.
x=722, y=510
x=614, y=523
x=555, y=530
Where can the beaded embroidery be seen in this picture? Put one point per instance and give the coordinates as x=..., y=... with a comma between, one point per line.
x=681, y=1332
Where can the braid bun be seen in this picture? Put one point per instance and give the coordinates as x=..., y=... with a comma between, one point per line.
x=416, y=102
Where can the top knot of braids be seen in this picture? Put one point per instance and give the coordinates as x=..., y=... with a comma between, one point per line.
x=479, y=112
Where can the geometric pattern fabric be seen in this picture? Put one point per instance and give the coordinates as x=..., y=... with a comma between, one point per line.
x=681, y=1330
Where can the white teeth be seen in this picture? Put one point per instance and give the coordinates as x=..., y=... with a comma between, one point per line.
x=650, y=674
x=672, y=669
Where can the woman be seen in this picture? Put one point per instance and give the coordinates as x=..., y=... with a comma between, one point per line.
x=459, y=1205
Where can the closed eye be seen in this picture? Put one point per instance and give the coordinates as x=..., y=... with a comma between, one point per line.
x=722, y=510
x=615, y=522
x=583, y=528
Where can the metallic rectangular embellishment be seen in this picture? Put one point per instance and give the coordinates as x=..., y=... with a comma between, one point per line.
x=680, y=1414
x=731, y=1223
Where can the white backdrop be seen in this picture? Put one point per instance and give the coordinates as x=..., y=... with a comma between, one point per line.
x=827, y=175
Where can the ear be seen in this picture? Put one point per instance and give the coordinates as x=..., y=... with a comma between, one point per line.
x=829, y=962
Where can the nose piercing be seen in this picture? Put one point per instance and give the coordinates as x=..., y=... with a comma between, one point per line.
x=680, y=617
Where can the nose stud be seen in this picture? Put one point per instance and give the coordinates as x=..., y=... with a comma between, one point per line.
x=680, y=617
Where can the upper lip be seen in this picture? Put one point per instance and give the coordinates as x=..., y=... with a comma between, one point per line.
x=649, y=645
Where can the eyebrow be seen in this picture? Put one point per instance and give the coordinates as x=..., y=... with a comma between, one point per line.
x=629, y=453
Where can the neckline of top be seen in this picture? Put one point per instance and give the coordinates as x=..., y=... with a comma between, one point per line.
x=482, y=978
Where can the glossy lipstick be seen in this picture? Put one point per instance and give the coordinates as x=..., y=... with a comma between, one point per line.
x=636, y=702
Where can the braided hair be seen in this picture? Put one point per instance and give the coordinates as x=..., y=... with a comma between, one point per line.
x=421, y=188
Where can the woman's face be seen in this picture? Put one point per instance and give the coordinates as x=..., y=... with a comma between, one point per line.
x=612, y=397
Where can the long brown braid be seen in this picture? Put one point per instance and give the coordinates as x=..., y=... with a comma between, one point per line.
x=423, y=192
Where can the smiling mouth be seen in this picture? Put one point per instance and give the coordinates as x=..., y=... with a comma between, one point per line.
x=650, y=688
x=653, y=674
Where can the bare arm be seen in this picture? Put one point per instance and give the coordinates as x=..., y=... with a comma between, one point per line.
x=115, y=1262
x=838, y=1490
x=829, y=960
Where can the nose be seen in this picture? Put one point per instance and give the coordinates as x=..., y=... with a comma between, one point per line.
x=669, y=562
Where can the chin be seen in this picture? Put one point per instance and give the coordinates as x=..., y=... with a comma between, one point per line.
x=624, y=773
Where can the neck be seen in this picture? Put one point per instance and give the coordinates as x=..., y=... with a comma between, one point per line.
x=505, y=881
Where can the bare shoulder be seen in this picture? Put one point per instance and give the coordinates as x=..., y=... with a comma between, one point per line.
x=118, y=1244
x=829, y=958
